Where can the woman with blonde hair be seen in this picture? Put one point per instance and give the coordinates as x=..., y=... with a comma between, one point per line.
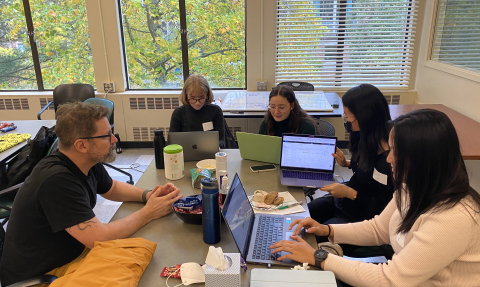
x=197, y=112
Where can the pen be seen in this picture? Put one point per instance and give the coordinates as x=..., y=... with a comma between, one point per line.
x=220, y=100
x=290, y=205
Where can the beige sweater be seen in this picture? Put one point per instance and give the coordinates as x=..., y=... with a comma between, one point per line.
x=441, y=249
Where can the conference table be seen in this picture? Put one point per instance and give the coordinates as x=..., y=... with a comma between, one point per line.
x=179, y=242
x=23, y=127
x=467, y=129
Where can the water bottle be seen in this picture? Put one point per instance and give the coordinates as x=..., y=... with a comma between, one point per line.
x=221, y=164
x=158, y=145
x=210, y=211
x=224, y=187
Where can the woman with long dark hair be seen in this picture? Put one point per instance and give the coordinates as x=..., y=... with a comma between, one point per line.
x=366, y=116
x=432, y=222
x=285, y=115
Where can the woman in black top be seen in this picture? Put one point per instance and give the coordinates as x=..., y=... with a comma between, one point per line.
x=370, y=189
x=285, y=115
x=197, y=113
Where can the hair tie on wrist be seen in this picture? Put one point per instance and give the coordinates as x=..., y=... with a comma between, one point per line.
x=329, y=230
x=144, y=195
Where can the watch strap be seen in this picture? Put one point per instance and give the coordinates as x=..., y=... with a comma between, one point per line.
x=144, y=195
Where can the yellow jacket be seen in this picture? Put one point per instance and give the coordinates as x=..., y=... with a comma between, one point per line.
x=110, y=263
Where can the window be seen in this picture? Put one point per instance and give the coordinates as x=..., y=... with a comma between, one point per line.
x=457, y=34
x=51, y=49
x=345, y=43
x=156, y=57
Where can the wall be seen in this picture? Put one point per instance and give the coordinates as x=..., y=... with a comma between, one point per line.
x=442, y=84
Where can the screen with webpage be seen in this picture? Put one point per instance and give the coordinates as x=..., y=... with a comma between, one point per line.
x=308, y=152
x=238, y=214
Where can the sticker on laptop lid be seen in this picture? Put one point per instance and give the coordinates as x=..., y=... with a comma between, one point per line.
x=380, y=177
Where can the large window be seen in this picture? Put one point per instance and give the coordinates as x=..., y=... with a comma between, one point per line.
x=345, y=43
x=44, y=44
x=457, y=34
x=214, y=42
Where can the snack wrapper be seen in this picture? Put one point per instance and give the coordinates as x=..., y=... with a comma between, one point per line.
x=198, y=174
x=172, y=271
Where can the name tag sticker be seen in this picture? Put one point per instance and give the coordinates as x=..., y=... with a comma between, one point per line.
x=380, y=177
x=207, y=126
x=401, y=239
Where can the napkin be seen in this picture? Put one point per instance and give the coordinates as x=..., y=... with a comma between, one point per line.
x=216, y=259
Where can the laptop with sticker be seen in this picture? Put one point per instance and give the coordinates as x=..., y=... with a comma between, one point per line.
x=255, y=233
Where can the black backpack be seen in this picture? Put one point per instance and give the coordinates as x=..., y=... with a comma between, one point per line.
x=36, y=149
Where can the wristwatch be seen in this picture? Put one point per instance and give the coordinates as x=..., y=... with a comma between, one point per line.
x=320, y=255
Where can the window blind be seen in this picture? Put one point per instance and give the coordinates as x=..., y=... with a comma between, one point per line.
x=345, y=43
x=457, y=34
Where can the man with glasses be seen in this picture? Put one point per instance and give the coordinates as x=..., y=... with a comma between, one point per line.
x=52, y=223
x=197, y=113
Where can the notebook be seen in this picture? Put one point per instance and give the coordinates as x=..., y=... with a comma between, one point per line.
x=259, y=147
x=291, y=278
x=251, y=231
x=306, y=160
x=196, y=145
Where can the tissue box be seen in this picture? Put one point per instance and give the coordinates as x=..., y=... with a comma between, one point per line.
x=229, y=277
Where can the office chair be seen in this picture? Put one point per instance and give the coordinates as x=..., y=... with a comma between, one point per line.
x=299, y=86
x=325, y=128
x=230, y=141
x=68, y=93
x=109, y=104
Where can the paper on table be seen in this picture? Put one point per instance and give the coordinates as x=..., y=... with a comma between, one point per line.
x=287, y=199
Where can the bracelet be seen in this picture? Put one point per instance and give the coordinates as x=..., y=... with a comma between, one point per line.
x=144, y=195
x=329, y=230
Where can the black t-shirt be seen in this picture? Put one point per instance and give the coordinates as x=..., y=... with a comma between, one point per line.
x=187, y=119
x=373, y=196
x=57, y=195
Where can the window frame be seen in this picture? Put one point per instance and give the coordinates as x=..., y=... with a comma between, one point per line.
x=184, y=44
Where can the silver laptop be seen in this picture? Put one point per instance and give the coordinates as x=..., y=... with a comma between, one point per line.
x=196, y=145
x=306, y=160
x=251, y=231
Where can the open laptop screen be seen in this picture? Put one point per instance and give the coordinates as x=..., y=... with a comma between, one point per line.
x=308, y=152
x=239, y=215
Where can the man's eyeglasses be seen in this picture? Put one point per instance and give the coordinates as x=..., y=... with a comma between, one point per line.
x=193, y=101
x=109, y=135
x=281, y=108
x=345, y=117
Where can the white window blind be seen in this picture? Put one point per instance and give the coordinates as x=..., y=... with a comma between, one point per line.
x=457, y=34
x=345, y=43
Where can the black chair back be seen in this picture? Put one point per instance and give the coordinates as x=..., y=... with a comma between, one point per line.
x=72, y=92
x=299, y=86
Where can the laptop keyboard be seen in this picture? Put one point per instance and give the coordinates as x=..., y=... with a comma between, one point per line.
x=269, y=230
x=307, y=175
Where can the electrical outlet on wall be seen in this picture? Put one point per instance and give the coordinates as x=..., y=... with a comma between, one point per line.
x=109, y=87
x=262, y=86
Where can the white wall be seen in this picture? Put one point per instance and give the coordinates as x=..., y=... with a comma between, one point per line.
x=442, y=84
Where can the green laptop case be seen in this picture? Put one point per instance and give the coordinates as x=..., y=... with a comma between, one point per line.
x=259, y=147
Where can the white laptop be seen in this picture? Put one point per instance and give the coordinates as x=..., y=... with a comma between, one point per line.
x=306, y=160
x=196, y=145
x=291, y=278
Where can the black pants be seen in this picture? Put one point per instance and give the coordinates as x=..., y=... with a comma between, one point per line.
x=325, y=211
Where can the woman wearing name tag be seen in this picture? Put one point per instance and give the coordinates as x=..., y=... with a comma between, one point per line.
x=432, y=222
x=197, y=113
x=285, y=115
x=370, y=189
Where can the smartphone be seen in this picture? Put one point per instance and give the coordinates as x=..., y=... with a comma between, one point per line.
x=265, y=167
